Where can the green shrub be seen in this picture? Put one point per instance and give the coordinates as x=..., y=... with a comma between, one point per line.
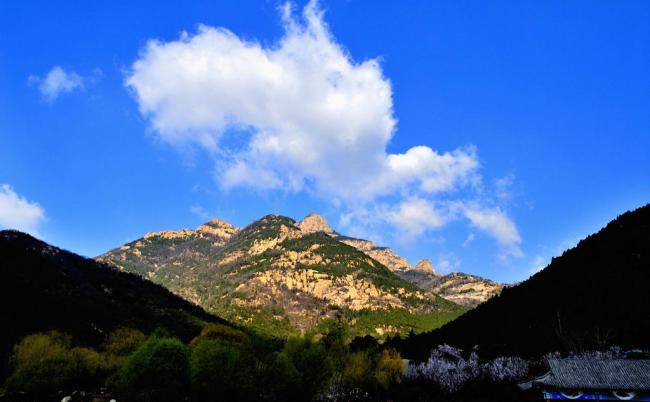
x=216, y=370
x=157, y=371
x=373, y=371
x=46, y=363
x=218, y=332
x=390, y=369
x=358, y=372
x=312, y=362
x=123, y=341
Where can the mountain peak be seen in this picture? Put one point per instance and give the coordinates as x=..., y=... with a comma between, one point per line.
x=314, y=223
x=425, y=266
x=218, y=223
x=218, y=227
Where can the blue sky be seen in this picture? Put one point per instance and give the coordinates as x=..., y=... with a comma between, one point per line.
x=487, y=137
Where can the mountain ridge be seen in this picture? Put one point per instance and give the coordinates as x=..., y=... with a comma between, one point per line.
x=282, y=273
x=44, y=287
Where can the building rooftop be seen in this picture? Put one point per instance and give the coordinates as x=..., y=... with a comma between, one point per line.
x=590, y=374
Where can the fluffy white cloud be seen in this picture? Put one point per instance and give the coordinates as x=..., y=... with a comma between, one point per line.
x=497, y=224
x=16, y=212
x=415, y=216
x=57, y=81
x=300, y=115
x=309, y=114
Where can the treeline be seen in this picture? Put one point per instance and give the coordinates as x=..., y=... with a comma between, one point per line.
x=221, y=363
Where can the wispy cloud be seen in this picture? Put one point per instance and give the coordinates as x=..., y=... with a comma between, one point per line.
x=448, y=263
x=56, y=82
x=496, y=223
x=538, y=263
x=200, y=211
x=16, y=212
x=415, y=216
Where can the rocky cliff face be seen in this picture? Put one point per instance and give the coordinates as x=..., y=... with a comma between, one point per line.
x=464, y=289
x=314, y=223
x=385, y=255
x=281, y=276
x=425, y=266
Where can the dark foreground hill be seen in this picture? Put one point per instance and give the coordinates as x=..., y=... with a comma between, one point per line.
x=594, y=295
x=44, y=288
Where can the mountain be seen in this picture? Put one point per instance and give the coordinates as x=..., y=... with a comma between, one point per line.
x=594, y=295
x=44, y=288
x=313, y=223
x=280, y=276
x=464, y=289
x=426, y=267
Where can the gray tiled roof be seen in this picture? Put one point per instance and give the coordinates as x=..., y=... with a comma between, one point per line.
x=632, y=375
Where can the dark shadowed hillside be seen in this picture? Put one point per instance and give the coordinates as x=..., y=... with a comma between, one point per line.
x=595, y=294
x=44, y=288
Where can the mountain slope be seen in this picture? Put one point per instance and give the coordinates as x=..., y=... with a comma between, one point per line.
x=313, y=223
x=464, y=289
x=595, y=294
x=280, y=276
x=467, y=290
x=44, y=288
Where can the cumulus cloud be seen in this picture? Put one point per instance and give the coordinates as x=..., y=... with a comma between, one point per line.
x=56, y=82
x=297, y=115
x=16, y=212
x=313, y=117
x=415, y=216
x=497, y=224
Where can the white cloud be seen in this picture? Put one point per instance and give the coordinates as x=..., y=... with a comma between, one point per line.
x=312, y=117
x=468, y=240
x=16, y=212
x=497, y=224
x=538, y=264
x=503, y=185
x=56, y=82
x=415, y=216
x=301, y=115
x=200, y=211
x=448, y=263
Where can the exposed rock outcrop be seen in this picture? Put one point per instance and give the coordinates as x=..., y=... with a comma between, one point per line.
x=464, y=289
x=425, y=266
x=313, y=223
x=217, y=227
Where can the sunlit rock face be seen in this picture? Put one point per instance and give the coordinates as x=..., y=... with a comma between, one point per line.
x=279, y=272
x=425, y=266
x=464, y=289
x=218, y=228
x=314, y=223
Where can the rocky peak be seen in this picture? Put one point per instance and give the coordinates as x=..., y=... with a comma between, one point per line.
x=218, y=223
x=219, y=228
x=425, y=266
x=314, y=223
